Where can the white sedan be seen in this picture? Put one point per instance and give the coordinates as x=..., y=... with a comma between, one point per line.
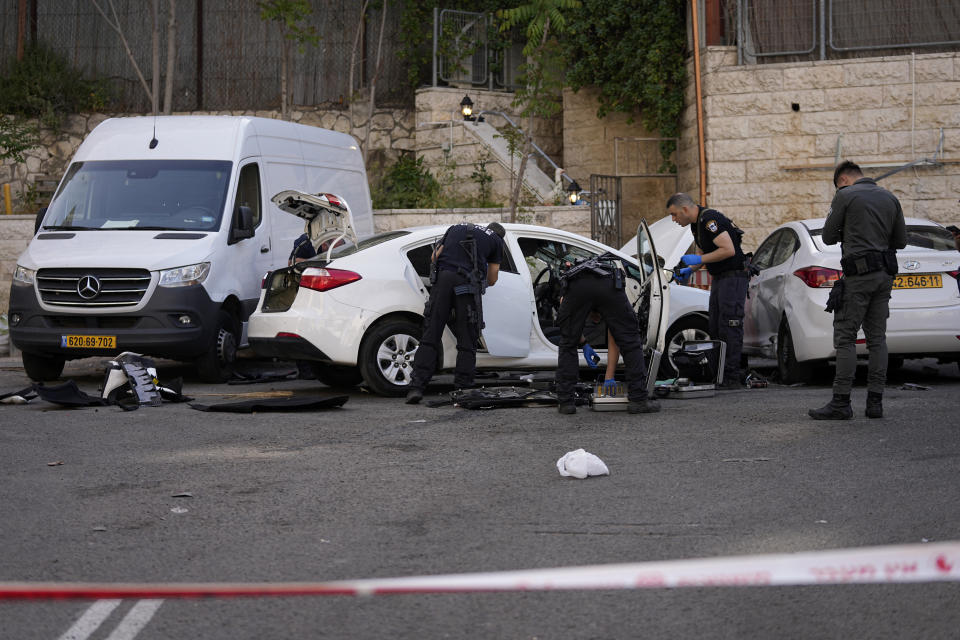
x=785, y=317
x=358, y=307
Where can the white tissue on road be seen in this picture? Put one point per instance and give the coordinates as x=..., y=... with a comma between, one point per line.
x=580, y=464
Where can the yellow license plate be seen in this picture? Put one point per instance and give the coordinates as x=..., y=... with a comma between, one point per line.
x=88, y=342
x=919, y=281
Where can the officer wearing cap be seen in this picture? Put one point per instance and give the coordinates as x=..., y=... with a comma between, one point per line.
x=718, y=243
x=597, y=284
x=867, y=221
x=465, y=263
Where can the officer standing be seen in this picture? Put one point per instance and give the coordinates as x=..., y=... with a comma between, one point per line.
x=465, y=263
x=598, y=284
x=718, y=243
x=868, y=223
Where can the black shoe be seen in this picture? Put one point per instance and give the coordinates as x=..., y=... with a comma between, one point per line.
x=414, y=396
x=643, y=406
x=836, y=409
x=567, y=408
x=874, y=405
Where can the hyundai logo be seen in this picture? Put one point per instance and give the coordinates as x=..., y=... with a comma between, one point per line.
x=912, y=265
x=88, y=287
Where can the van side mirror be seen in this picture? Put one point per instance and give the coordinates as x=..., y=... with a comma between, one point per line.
x=242, y=224
x=38, y=222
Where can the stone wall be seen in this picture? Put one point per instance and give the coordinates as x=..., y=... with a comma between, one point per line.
x=616, y=144
x=772, y=134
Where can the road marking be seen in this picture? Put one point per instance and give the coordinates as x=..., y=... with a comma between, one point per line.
x=135, y=620
x=91, y=619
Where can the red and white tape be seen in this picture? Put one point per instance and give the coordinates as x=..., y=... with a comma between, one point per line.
x=935, y=562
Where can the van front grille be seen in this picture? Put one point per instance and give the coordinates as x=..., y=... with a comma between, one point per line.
x=91, y=288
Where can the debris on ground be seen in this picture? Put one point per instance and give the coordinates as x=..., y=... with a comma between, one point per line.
x=580, y=464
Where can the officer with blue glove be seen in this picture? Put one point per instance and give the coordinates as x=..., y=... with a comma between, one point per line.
x=718, y=243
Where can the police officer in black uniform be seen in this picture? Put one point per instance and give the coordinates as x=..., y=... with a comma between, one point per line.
x=718, y=241
x=867, y=221
x=465, y=263
x=597, y=284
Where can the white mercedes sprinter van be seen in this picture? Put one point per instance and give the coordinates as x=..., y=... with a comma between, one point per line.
x=160, y=232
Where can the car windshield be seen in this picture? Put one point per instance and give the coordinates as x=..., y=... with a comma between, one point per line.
x=923, y=236
x=174, y=195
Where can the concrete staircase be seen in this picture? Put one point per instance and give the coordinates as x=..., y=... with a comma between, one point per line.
x=536, y=181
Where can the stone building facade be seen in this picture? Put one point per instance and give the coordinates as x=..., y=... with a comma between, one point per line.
x=773, y=134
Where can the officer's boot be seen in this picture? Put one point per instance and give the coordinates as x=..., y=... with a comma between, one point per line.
x=836, y=409
x=643, y=406
x=874, y=405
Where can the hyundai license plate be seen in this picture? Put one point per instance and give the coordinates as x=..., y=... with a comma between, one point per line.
x=88, y=342
x=918, y=281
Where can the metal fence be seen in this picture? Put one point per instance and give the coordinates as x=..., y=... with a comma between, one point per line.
x=227, y=57
x=827, y=29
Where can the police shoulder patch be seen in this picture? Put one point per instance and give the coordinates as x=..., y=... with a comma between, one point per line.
x=712, y=226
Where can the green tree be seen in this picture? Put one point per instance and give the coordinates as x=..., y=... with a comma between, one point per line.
x=16, y=137
x=633, y=52
x=542, y=21
x=293, y=17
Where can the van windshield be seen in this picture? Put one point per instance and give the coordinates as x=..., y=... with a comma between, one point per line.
x=174, y=195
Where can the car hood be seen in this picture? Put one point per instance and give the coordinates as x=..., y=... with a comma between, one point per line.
x=327, y=215
x=670, y=239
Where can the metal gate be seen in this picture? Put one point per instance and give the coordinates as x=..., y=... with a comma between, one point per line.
x=605, y=198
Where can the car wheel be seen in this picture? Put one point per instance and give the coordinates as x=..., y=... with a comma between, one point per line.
x=690, y=328
x=217, y=363
x=386, y=357
x=790, y=370
x=338, y=376
x=41, y=368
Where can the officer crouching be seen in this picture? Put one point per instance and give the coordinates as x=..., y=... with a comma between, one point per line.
x=597, y=284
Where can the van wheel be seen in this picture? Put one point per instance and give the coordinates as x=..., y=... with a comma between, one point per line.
x=692, y=328
x=338, y=376
x=386, y=357
x=216, y=365
x=790, y=370
x=41, y=368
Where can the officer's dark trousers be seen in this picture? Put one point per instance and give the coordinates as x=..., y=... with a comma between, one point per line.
x=866, y=303
x=435, y=316
x=584, y=294
x=727, y=297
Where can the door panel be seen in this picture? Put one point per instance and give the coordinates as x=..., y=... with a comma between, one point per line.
x=653, y=301
x=507, y=316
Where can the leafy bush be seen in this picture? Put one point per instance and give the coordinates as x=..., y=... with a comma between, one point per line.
x=16, y=137
x=407, y=185
x=43, y=85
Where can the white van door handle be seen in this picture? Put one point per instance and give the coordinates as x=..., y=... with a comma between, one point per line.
x=264, y=249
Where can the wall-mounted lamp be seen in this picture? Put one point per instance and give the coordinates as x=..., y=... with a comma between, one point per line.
x=466, y=108
x=574, y=191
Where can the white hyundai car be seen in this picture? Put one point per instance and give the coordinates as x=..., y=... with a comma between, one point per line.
x=785, y=317
x=357, y=308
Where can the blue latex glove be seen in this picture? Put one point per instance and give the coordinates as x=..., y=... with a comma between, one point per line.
x=691, y=259
x=682, y=273
x=591, y=356
x=610, y=383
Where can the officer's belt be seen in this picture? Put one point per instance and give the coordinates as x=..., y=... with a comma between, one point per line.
x=732, y=273
x=868, y=262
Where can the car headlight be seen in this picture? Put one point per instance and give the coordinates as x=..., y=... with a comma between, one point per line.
x=185, y=276
x=24, y=276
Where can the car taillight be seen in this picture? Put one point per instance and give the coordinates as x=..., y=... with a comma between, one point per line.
x=818, y=277
x=953, y=274
x=326, y=279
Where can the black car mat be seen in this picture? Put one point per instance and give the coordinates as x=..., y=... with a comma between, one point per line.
x=68, y=394
x=26, y=393
x=505, y=397
x=298, y=403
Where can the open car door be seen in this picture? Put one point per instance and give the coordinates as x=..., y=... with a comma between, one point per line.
x=652, y=306
x=508, y=311
x=327, y=215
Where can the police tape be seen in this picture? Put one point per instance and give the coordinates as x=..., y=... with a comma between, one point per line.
x=934, y=562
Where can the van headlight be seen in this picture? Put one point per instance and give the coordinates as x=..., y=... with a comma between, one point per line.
x=185, y=276
x=24, y=276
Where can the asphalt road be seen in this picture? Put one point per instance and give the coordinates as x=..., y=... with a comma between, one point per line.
x=379, y=488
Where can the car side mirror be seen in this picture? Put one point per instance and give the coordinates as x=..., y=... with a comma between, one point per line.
x=38, y=222
x=242, y=224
